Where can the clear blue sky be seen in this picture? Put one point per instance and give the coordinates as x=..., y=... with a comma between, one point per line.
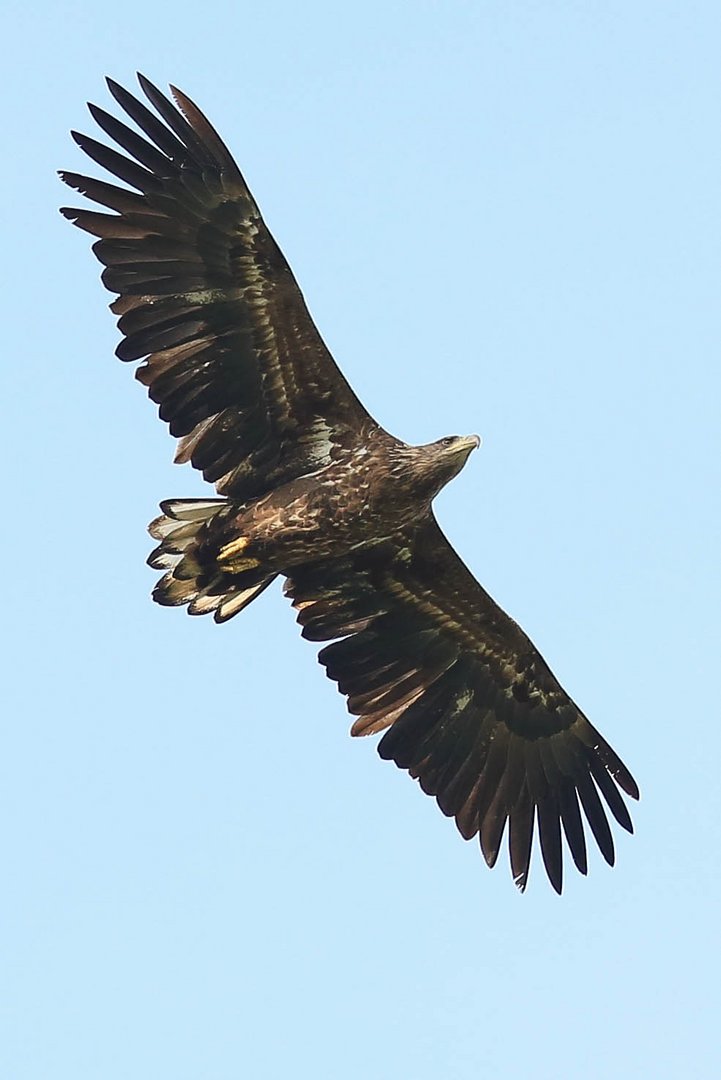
x=505, y=218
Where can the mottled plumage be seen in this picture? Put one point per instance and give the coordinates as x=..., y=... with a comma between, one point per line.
x=314, y=490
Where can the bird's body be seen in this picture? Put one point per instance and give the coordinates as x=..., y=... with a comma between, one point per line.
x=313, y=489
x=367, y=495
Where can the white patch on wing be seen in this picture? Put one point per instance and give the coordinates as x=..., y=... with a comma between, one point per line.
x=321, y=437
x=205, y=296
x=463, y=698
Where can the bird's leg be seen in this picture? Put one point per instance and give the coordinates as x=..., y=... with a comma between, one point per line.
x=232, y=554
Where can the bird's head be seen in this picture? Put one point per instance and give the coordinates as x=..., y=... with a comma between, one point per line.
x=434, y=464
x=452, y=453
x=456, y=447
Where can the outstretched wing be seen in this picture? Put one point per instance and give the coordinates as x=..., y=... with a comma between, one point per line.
x=233, y=357
x=473, y=710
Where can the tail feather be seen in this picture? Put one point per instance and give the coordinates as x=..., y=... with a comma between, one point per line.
x=188, y=555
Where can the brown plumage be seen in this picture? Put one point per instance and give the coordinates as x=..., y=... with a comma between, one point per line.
x=314, y=490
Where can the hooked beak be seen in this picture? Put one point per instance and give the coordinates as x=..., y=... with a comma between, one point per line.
x=466, y=444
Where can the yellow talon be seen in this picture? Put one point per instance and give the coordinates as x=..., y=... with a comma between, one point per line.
x=235, y=547
x=244, y=564
x=231, y=551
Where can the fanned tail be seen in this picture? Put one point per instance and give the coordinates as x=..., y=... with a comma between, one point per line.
x=188, y=554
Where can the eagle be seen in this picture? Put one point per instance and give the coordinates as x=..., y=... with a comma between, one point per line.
x=310, y=488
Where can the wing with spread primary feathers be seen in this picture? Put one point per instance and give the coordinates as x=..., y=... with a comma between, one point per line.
x=233, y=357
x=472, y=709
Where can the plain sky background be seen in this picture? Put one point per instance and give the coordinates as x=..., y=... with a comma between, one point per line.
x=505, y=219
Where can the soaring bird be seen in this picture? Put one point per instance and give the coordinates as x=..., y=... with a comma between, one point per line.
x=311, y=488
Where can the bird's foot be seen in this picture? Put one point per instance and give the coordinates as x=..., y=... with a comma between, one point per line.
x=232, y=553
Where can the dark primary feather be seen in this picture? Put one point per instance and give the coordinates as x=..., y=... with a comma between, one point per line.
x=206, y=298
x=471, y=708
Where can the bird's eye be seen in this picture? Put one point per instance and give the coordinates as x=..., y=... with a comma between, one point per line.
x=448, y=440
